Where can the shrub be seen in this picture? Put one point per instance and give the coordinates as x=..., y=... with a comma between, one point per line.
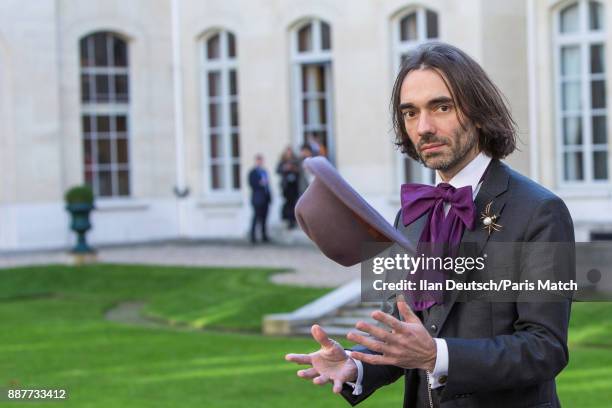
x=79, y=195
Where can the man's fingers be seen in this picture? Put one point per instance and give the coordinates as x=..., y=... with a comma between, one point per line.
x=299, y=358
x=370, y=343
x=337, y=386
x=320, y=380
x=321, y=337
x=406, y=312
x=387, y=319
x=371, y=358
x=308, y=373
x=375, y=331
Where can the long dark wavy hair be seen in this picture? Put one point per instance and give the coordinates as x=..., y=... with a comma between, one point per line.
x=474, y=94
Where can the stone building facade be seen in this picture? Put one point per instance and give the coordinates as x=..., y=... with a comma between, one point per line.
x=161, y=105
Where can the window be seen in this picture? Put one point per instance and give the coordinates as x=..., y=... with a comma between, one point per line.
x=312, y=85
x=410, y=30
x=105, y=113
x=222, y=123
x=582, y=119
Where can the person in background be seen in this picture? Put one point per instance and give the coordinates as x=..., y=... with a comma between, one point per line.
x=322, y=147
x=289, y=170
x=260, y=197
x=304, y=179
x=313, y=142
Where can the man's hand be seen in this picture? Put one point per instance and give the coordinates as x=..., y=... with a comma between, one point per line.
x=408, y=345
x=329, y=363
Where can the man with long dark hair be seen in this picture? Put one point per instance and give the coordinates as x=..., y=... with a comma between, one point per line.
x=449, y=115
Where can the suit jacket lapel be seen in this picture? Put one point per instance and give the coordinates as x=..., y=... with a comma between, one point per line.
x=413, y=233
x=493, y=187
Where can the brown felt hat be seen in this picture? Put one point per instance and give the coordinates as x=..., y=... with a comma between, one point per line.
x=338, y=220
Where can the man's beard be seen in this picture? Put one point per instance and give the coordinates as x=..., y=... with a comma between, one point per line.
x=457, y=153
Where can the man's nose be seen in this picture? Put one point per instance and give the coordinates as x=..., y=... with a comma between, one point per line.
x=425, y=125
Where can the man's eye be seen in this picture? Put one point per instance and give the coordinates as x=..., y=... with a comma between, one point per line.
x=444, y=108
x=409, y=114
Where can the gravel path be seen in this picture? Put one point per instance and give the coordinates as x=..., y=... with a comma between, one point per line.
x=309, y=267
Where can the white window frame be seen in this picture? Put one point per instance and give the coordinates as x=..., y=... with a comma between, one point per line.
x=316, y=55
x=224, y=64
x=399, y=48
x=110, y=109
x=583, y=38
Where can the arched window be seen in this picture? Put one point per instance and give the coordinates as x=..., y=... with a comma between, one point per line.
x=220, y=116
x=313, y=86
x=105, y=113
x=411, y=29
x=580, y=72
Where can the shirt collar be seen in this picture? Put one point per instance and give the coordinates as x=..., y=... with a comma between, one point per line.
x=471, y=174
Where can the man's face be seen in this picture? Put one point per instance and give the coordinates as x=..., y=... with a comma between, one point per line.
x=432, y=121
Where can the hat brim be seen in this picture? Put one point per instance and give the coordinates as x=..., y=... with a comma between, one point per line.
x=339, y=192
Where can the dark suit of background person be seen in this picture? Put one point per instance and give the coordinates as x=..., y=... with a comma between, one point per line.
x=288, y=169
x=500, y=354
x=260, y=200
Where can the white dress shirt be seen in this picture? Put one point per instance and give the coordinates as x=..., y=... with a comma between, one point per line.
x=470, y=175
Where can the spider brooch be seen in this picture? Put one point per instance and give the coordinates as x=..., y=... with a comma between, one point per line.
x=488, y=219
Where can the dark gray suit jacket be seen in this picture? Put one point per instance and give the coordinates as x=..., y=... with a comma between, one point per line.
x=501, y=354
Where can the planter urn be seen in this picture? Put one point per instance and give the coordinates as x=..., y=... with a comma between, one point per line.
x=80, y=224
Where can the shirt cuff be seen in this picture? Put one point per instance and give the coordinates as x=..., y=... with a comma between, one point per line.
x=438, y=377
x=357, y=387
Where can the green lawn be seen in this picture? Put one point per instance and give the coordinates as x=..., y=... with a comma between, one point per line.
x=54, y=336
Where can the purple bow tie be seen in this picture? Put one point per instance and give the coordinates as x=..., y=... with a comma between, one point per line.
x=416, y=200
